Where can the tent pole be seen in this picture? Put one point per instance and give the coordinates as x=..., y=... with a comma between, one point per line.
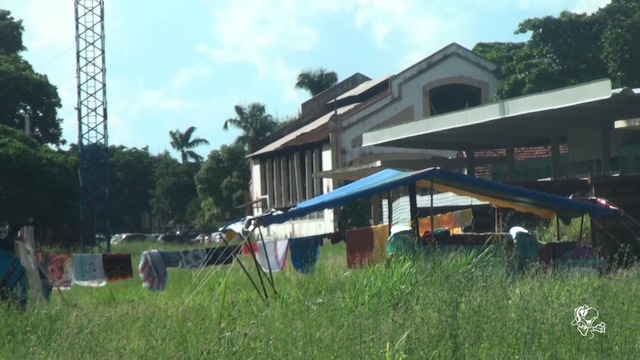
x=264, y=247
x=581, y=227
x=255, y=286
x=413, y=209
x=258, y=267
x=432, y=237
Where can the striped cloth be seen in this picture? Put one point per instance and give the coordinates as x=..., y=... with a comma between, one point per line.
x=152, y=270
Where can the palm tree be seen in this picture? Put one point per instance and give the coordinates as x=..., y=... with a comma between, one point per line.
x=183, y=143
x=316, y=81
x=254, y=122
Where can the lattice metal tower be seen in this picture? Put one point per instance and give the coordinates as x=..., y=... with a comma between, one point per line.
x=93, y=146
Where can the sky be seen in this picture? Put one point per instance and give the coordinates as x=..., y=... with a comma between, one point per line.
x=188, y=63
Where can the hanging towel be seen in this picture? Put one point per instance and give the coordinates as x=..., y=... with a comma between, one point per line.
x=59, y=267
x=221, y=255
x=88, y=270
x=273, y=254
x=192, y=258
x=117, y=266
x=171, y=258
x=305, y=252
x=380, y=238
x=152, y=270
x=359, y=246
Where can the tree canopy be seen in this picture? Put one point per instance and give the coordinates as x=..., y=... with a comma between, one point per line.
x=316, y=81
x=570, y=49
x=24, y=94
x=221, y=182
x=36, y=182
x=184, y=144
x=254, y=122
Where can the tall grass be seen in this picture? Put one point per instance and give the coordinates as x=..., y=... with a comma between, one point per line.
x=446, y=305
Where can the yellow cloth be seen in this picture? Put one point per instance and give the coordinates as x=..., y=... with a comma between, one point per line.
x=380, y=237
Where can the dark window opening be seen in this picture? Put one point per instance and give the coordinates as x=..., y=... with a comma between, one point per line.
x=452, y=97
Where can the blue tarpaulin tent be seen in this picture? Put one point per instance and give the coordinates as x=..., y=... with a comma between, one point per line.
x=500, y=194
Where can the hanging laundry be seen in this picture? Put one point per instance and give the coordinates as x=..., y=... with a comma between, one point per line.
x=88, y=270
x=117, y=266
x=272, y=255
x=305, y=252
x=171, y=258
x=380, y=238
x=59, y=267
x=152, y=270
x=359, y=246
x=193, y=258
x=221, y=255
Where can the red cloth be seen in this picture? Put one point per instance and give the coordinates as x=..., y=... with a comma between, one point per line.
x=359, y=247
x=117, y=266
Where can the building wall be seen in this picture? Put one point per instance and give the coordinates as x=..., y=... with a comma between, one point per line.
x=409, y=102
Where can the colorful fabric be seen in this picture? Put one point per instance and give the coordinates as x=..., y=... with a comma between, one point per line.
x=305, y=252
x=380, y=239
x=221, y=255
x=192, y=258
x=272, y=255
x=88, y=270
x=359, y=246
x=59, y=267
x=117, y=266
x=152, y=270
x=13, y=281
x=32, y=270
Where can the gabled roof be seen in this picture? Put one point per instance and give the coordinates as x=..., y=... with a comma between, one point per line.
x=503, y=195
x=282, y=142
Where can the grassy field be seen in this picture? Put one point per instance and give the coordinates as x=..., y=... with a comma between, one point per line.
x=451, y=306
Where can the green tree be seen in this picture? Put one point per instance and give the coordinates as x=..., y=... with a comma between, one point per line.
x=184, y=143
x=220, y=184
x=132, y=182
x=316, y=81
x=254, y=122
x=570, y=49
x=36, y=182
x=174, y=189
x=25, y=94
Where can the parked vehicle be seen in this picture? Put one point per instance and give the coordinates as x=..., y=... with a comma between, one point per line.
x=130, y=237
x=172, y=239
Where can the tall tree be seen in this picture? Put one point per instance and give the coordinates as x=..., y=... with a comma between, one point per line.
x=174, y=189
x=183, y=143
x=254, y=122
x=132, y=181
x=221, y=183
x=570, y=49
x=26, y=96
x=316, y=81
x=36, y=182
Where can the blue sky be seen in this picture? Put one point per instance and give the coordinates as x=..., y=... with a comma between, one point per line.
x=188, y=63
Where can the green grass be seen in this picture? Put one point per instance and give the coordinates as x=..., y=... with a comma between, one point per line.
x=449, y=306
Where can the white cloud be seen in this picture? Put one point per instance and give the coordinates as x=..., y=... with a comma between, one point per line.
x=184, y=77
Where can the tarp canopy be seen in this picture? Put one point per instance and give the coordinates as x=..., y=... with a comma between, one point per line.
x=502, y=195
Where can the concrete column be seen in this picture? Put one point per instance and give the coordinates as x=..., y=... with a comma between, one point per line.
x=317, y=182
x=511, y=164
x=297, y=171
x=277, y=183
x=375, y=210
x=471, y=163
x=308, y=174
x=284, y=168
x=555, y=158
x=606, y=151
